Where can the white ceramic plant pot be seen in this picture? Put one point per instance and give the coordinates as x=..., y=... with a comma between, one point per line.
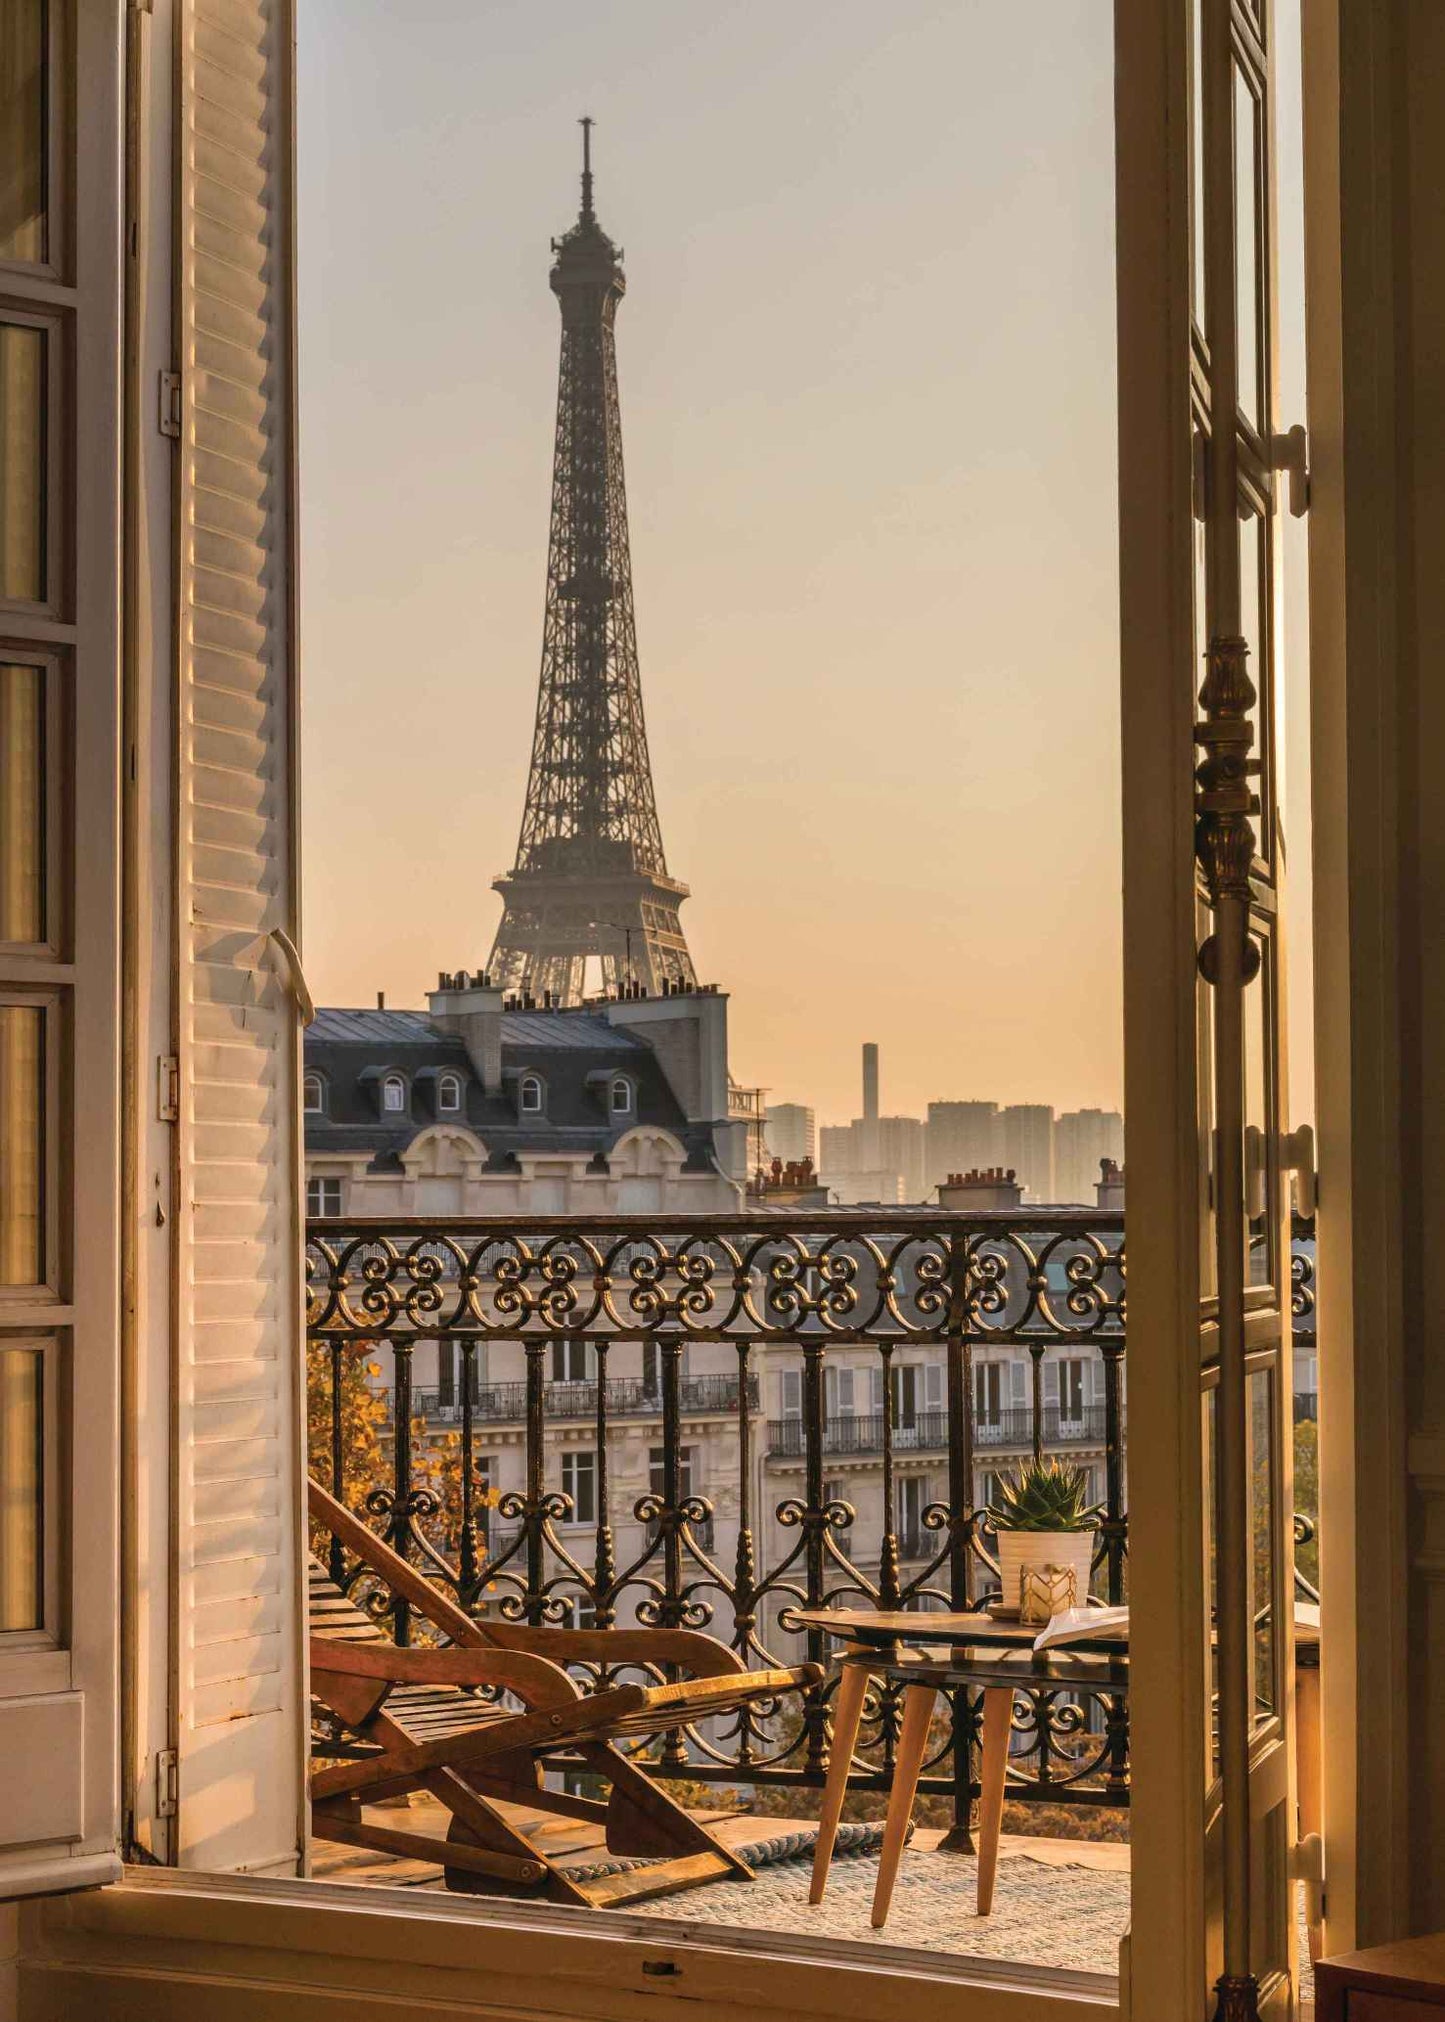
x=1017, y=1549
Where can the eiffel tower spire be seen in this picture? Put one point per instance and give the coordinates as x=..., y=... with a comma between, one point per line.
x=590, y=876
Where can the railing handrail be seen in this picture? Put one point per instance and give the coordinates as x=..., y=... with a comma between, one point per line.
x=576, y=1397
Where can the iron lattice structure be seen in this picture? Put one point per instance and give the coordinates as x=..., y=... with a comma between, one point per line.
x=590, y=876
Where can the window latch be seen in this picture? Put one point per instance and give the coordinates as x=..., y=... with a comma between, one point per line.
x=295, y=975
x=1290, y=452
x=168, y=1089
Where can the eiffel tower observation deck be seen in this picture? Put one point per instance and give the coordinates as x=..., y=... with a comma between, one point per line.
x=590, y=878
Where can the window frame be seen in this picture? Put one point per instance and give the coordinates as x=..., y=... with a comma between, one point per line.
x=322, y=1181
x=313, y=1075
x=445, y=1081
x=531, y=1080
x=628, y=1103
x=393, y=1079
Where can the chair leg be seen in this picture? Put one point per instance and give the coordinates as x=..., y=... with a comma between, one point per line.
x=907, y=1767
x=997, y=1718
x=847, y=1713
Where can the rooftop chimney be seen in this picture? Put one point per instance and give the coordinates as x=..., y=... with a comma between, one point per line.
x=470, y=1008
x=993, y=1187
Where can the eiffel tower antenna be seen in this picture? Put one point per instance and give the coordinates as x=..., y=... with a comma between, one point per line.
x=590, y=877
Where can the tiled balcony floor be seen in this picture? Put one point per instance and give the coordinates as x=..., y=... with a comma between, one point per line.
x=1057, y=1903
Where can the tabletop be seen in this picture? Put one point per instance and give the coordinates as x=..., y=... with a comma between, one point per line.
x=883, y=1628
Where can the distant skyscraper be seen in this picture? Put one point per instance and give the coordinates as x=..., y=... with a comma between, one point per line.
x=961, y=1137
x=1082, y=1137
x=590, y=877
x=791, y=1132
x=872, y=1151
x=1028, y=1146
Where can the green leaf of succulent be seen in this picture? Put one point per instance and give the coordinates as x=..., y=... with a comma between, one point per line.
x=1044, y=1495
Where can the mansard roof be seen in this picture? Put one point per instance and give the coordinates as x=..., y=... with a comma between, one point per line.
x=568, y=1049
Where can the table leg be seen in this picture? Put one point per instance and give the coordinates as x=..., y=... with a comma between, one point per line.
x=907, y=1767
x=847, y=1712
x=997, y=1719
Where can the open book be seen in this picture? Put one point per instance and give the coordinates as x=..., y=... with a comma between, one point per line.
x=1078, y=1625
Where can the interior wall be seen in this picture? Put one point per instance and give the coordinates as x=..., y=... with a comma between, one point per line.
x=1376, y=276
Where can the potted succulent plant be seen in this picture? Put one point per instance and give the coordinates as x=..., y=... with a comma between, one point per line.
x=1043, y=1516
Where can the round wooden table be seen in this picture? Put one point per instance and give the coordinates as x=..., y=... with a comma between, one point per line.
x=993, y=1657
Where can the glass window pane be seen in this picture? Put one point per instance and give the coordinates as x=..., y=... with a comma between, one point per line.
x=22, y=803
x=1246, y=246
x=1262, y=1529
x=22, y=1598
x=23, y=230
x=1196, y=160
x=1259, y=1230
x=22, y=1081
x=22, y=463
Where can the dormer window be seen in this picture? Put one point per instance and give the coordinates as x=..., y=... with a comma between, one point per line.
x=619, y=1099
x=313, y=1095
x=449, y=1094
x=393, y=1095
x=530, y=1095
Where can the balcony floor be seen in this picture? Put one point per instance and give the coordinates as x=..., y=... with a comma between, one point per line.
x=1059, y=1903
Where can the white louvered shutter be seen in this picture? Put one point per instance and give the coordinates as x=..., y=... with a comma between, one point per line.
x=239, y=1359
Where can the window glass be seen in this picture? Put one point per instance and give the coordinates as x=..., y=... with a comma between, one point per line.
x=449, y=1092
x=22, y=1081
x=621, y=1095
x=531, y=1092
x=579, y=1482
x=1246, y=247
x=22, y=803
x=323, y=1197
x=23, y=223
x=311, y=1095
x=393, y=1093
x=21, y=1489
x=22, y=463
x=1262, y=1526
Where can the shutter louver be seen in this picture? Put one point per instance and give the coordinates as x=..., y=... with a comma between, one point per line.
x=238, y=1410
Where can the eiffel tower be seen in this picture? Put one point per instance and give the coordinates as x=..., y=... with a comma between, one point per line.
x=590, y=877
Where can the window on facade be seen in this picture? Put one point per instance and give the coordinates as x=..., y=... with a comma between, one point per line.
x=393, y=1094
x=573, y=1362
x=323, y=1196
x=313, y=1094
x=657, y=1471
x=1071, y=1389
x=449, y=1094
x=988, y=1388
x=531, y=1094
x=621, y=1097
x=579, y=1483
x=911, y=1499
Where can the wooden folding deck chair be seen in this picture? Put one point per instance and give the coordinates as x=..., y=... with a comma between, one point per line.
x=415, y=1709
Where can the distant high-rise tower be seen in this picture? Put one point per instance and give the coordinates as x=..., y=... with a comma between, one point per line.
x=590, y=876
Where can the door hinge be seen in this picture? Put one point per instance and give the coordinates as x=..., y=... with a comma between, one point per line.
x=1297, y=1155
x=168, y=1783
x=168, y=1089
x=1290, y=452
x=170, y=404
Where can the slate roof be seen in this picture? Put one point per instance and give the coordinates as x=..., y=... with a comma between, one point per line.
x=352, y=1049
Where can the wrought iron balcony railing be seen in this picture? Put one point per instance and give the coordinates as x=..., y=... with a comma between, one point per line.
x=735, y=1559
x=698, y=1396
x=927, y=1431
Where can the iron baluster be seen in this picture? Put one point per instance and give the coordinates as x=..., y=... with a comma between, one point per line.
x=534, y=1503
x=336, y=1557
x=604, y=1569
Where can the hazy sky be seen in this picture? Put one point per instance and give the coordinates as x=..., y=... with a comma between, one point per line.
x=867, y=372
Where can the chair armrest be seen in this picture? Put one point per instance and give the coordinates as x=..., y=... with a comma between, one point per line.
x=532, y=1678
x=691, y=1651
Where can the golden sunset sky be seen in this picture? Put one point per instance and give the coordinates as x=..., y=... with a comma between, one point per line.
x=867, y=374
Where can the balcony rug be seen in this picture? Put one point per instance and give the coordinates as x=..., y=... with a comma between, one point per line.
x=1068, y=1914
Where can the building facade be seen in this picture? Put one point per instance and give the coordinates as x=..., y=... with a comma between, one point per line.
x=1027, y=1132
